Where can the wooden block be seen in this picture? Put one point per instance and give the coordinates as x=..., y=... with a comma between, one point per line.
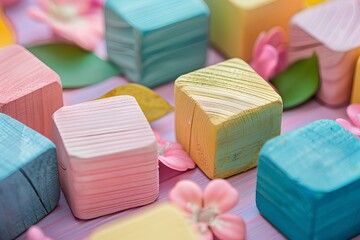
x=236, y=24
x=29, y=182
x=308, y=182
x=107, y=155
x=162, y=222
x=317, y=29
x=223, y=116
x=30, y=91
x=355, y=97
x=155, y=41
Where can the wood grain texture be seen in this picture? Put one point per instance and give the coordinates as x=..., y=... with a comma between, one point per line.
x=329, y=29
x=161, y=222
x=309, y=182
x=107, y=156
x=355, y=96
x=224, y=114
x=245, y=20
x=156, y=41
x=29, y=182
x=30, y=91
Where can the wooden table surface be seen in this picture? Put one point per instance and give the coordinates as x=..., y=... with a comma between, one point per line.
x=61, y=224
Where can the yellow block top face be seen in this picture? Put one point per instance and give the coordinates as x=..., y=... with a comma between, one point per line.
x=227, y=90
x=162, y=222
x=250, y=4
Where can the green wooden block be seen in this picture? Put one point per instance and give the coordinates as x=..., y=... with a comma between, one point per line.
x=29, y=182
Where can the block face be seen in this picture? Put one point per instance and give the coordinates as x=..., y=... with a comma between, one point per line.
x=245, y=20
x=307, y=174
x=107, y=156
x=29, y=182
x=218, y=109
x=31, y=91
x=355, y=97
x=316, y=30
x=158, y=40
x=159, y=223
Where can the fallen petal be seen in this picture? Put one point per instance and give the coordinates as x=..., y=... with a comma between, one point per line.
x=259, y=45
x=187, y=195
x=351, y=128
x=219, y=194
x=35, y=233
x=266, y=62
x=229, y=227
x=173, y=163
x=353, y=111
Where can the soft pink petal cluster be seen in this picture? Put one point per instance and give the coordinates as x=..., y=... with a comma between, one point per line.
x=270, y=55
x=79, y=22
x=353, y=112
x=207, y=210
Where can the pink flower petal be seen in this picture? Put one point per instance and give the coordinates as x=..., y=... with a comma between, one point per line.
x=351, y=128
x=283, y=61
x=35, y=233
x=353, y=111
x=219, y=194
x=204, y=231
x=187, y=195
x=276, y=37
x=266, y=63
x=229, y=227
x=259, y=45
x=173, y=163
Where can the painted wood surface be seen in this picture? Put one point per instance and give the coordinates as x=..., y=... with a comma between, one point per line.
x=30, y=90
x=162, y=222
x=61, y=224
x=329, y=29
x=29, y=182
x=223, y=116
x=355, y=96
x=156, y=41
x=107, y=156
x=309, y=182
x=245, y=20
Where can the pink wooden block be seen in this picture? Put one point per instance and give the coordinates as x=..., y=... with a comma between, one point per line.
x=107, y=156
x=29, y=90
x=331, y=30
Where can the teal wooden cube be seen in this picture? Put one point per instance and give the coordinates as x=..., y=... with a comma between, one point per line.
x=29, y=182
x=308, y=183
x=155, y=41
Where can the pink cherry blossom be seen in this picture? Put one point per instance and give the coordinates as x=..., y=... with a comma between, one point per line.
x=353, y=112
x=270, y=55
x=35, y=233
x=173, y=155
x=80, y=22
x=207, y=210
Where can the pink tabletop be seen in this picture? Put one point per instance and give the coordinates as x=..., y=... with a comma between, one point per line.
x=61, y=224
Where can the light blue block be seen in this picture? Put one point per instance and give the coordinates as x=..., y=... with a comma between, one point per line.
x=29, y=182
x=308, y=183
x=155, y=41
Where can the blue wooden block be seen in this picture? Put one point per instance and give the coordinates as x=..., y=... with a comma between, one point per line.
x=29, y=182
x=155, y=41
x=308, y=183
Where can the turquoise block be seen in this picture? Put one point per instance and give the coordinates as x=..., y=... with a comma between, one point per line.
x=308, y=183
x=156, y=41
x=29, y=182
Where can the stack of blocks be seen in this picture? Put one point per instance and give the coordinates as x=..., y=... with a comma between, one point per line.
x=29, y=183
x=308, y=183
x=236, y=24
x=155, y=41
x=107, y=156
x=224, y=114
x=162, y=222
x=30, y=91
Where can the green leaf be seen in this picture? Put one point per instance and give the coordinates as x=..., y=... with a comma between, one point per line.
x=76, y=67
x=299, y=83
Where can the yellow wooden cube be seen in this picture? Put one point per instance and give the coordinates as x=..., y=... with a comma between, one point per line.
x=223, y=116
x=236, y=24
x=355, y=97
x=162, y=222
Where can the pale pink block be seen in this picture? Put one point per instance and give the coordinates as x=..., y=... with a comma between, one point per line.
x=107, y=156
x=331, y=30
x=29, y=90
